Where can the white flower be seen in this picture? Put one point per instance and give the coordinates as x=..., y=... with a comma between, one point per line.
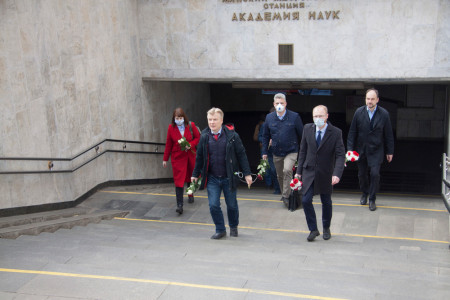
x=189, y=192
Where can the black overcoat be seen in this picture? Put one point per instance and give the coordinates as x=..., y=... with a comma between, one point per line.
x=372, y=143
x=235, y=157
x=318, y=165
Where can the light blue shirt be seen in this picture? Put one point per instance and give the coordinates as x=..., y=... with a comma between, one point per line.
x=321, y=130
x=181, y=129
x=220, y=131
x=371, y=113
x=282, y=116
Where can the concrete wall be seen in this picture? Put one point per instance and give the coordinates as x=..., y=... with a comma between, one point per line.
x=70, y=77
x=333, y=39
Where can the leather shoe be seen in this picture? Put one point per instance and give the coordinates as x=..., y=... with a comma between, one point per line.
x=219, y=235
x=326, y=234
x=179, y=209
x=312, y=235
x=363, y=199
x=233, y=231
x=372, y=205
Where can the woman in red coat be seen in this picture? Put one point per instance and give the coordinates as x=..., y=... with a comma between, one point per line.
x=182, y=161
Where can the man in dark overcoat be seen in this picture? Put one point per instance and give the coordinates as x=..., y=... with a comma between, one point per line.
x=321, y=161
x=371, y=136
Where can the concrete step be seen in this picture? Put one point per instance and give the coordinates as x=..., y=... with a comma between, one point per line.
x=42, y=216
x=12, y=232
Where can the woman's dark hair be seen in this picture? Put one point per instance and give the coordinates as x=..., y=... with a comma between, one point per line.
x=179, y=112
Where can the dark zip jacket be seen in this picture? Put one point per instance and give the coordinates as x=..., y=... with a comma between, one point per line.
x=286, y=134
x=236, y=158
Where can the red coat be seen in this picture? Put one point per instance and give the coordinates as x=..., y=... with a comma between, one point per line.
x=182, y=161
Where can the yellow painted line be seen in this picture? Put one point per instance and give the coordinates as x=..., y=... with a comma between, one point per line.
x=163, y=282
x=196, y=196
x=290, y=230
x=391, y=194
x=392, y=207
x=278, y=201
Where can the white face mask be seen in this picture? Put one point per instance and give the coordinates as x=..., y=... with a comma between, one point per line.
x=319, y=122
x=179, y=122
x=280, y=108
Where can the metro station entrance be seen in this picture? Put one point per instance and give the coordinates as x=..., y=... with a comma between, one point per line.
x=417, y=114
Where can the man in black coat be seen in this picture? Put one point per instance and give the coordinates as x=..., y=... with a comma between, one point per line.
x=321, y=161
x=220, y=153
x=371, y=136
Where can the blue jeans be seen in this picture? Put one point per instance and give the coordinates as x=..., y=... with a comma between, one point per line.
x=215, y=186
x=310, y=214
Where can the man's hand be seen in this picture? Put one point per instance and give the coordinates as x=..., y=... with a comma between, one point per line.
x=194, y=179
x=298, y=176
x=249, y=180
x=389, y=157
x=164, y=164
x=334, y=180
x=264, y=157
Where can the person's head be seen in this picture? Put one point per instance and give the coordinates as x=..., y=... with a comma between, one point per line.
x=215, y=119
x=179, y=117
x=372, y=98
x=279, y=102
x=320, y=115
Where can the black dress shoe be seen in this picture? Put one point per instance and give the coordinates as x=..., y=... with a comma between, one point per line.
x=326, y=234
x=312, y=235
x=179, y=209
x=234, y=232
x=372, y=205
x=363, y=199
x=219, y=235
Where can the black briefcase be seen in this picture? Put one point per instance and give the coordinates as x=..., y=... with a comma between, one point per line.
x=295, y=200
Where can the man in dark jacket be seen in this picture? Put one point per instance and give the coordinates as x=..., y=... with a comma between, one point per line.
x=371, y=136
x=220, y=153
x=282, y=133
x=321, y=163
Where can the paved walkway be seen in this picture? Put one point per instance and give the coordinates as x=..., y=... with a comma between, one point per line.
x=400, y=251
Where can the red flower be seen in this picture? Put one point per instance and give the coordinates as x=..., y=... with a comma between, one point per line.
x=292, y=184
x=353, y=159
x=295, y=180
x=260, y=177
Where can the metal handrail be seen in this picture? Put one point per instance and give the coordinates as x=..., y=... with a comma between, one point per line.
x=95, y=147
x=445, y=181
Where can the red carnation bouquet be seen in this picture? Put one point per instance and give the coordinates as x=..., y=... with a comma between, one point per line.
x=296, y=184
x=351, y=156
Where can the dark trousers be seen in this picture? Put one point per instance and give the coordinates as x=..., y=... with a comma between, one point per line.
x=369, y=186
x=310, y=213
